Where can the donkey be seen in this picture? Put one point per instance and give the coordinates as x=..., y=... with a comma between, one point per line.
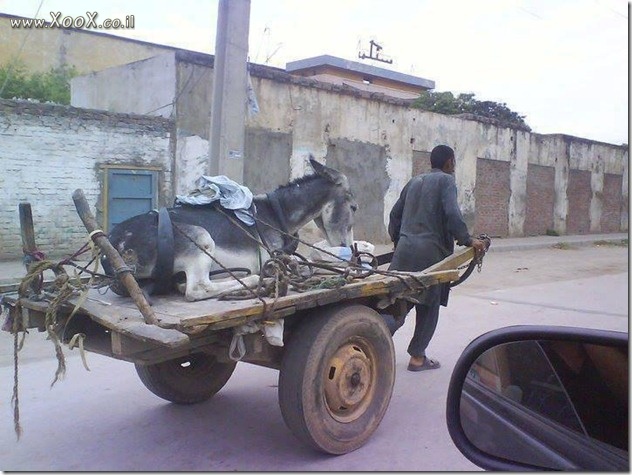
x=205, y=231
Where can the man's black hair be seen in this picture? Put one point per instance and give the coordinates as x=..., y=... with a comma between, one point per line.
x=440, y=155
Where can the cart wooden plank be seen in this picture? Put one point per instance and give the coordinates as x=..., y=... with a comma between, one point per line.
x=123, y=318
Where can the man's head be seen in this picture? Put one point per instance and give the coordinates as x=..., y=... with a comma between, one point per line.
x=442, y=157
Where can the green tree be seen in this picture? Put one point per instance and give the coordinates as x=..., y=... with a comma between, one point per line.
x=50, y=86
x=447, y=103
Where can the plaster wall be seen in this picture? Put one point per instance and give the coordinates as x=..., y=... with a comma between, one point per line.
x=145, y=87
x=319, y=117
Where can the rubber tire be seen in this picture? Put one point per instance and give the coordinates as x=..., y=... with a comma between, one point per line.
x=304, y=368
x=197, y=382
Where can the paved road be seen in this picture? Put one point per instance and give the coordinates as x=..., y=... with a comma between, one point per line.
x=106, y=420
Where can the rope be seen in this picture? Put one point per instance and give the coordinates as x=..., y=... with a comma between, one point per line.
x=283, y=233
x=63, y=287
x=15, y=399
x=352, y=265
x=77, y=341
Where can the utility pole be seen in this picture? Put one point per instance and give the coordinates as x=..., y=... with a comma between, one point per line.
x=230, y=80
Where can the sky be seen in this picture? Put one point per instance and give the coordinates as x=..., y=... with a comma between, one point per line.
x=561, y=63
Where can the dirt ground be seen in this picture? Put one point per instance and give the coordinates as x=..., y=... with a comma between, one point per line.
x=503, y=270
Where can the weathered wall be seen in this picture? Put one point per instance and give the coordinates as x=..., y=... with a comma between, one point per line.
x=145, y=87
x=421, y=162
x=267, y=166
x=360, y=160
x=318, y=116
x=379, y=142
x=47, y=151
x=194, y=92
x=89, y=51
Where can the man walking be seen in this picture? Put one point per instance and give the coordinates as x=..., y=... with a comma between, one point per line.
x=424, y=223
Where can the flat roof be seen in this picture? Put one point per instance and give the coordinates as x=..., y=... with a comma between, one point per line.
x=366, y=69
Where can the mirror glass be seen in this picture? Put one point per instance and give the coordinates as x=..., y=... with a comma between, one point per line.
x=553, y=404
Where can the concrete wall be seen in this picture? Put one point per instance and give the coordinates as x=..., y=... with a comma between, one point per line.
x=145, y=87
x=360, y=160
x=47, y=151
x=379, y=142
x=267, y=166
x=492, y=161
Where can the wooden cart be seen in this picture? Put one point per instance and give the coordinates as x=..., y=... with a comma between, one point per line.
x=337, y=362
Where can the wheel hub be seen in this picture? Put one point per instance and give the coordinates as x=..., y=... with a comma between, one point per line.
x=349, y=383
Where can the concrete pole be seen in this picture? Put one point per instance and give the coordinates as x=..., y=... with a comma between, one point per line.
x=228, y=107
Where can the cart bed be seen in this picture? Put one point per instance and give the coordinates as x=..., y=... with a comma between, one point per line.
x=179, y=321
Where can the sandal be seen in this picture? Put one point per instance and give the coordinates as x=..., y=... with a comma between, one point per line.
x=429, y=363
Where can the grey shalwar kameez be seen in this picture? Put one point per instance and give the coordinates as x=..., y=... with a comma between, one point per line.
x=424, y=223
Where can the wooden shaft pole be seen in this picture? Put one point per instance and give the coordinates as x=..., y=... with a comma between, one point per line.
x=26, y=227
x=123, y=272
x=27, y=231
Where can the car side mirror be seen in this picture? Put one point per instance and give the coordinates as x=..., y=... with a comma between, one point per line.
x=542, y=398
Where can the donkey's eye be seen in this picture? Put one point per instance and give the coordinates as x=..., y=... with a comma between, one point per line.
x=354, y=208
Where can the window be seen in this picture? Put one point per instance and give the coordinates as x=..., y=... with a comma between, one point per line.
x=129, y=192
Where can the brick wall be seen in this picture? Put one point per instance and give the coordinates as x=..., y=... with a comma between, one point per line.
x=492, y=197
x=47, y=151
x=579, y=194
x=540, y=199
x=421, y=162
x=611, y=211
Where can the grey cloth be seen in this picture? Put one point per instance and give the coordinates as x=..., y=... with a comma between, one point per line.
x=230, y=194
x=424, y=223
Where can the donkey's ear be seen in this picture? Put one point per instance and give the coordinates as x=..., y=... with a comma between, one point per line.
x=332, y=175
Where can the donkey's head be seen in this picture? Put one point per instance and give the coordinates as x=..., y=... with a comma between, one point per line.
x=336, y=218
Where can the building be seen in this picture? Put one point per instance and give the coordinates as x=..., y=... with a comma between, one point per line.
x=40, y=49
x=360, y=76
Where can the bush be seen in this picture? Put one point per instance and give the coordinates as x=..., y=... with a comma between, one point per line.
x=447, y=103
x=51, y=86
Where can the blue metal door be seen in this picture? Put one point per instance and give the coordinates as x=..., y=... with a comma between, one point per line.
x=130, y=192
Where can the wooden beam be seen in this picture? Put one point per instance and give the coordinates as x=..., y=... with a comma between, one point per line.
x=453, y=261
x=122, y=271
x=27, y=229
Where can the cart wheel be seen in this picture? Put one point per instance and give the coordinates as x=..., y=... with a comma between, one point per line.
x=337, y=378
x=187, y=380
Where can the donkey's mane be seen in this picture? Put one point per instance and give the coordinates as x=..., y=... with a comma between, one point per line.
x=299, y=181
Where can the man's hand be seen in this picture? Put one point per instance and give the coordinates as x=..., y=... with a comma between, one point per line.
x=478, y=245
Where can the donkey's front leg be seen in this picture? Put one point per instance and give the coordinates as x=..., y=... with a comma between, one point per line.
x=200, y=288
x=193, y=258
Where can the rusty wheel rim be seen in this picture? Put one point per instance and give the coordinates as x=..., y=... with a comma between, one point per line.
x=350, y=381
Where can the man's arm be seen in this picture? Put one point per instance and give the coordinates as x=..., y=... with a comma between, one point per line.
x=455, y=223
x=395, y=218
